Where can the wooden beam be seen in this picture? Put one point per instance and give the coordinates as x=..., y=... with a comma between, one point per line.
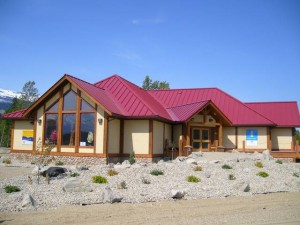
x=105, y=135
x=244, y=146
x=77, y=120
x=59, y=122
x=220, y=135
x=12, y=132
x=269, y=138
x=34, y=132
x=236, y=137
x=121, y=144
x=150, y=137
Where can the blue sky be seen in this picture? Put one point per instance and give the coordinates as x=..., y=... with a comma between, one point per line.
x=250, y=49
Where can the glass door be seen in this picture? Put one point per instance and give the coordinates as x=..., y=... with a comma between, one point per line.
x=200, y=139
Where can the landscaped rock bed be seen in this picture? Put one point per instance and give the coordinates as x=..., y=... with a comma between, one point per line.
x=141, y=186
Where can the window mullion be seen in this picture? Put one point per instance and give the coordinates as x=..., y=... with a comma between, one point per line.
x=77, y=133
x=59, y=130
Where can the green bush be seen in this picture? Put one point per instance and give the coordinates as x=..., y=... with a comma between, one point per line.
x=198, y=168
x=11, y=188
x=112, y=172
x=262, y=174
x=59, y=163
x=156, y=172
x=193, y=179
x=259, y=164
x=74, y=174
x=123, y=185
x=7, y=161
x=146, y=181
x=226, y=167
x=99, y=180
x=131, y=158
x=231, y=177
x=278, y=161
x=296, y=174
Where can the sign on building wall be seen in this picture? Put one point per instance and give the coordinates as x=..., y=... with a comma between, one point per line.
x=27, y=137
x=251, y=138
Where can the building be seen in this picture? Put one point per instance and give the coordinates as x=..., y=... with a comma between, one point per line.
x=114, y=117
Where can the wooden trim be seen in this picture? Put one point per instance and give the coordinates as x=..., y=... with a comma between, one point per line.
x=150, y=137
x=59, y=117
x=105, y=135
x=269, y=138
x=236, y=137
x=34, y=132
x=95, y=128
x=125, y=155
x=164, y=137
x=244, y=149
x=121, y=143
x=220, y=135
x=77, y=120
x=61, y=153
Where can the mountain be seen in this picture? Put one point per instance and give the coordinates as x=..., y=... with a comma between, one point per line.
x=6, y=97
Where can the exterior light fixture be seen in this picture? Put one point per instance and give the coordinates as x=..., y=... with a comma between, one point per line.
x=100, y=121
x=40, y=121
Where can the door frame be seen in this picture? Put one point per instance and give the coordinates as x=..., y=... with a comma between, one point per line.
x=201, y=140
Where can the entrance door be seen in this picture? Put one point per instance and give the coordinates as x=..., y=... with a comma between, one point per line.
x=200, y=139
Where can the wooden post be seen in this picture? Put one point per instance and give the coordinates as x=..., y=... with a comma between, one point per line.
x=269, y=138
x=292, y=146
x=297, y=148
x=236, y=138
x=151, y=138
x=244, y=144
x=220, y=135
x=105, y=135
x=121, y=144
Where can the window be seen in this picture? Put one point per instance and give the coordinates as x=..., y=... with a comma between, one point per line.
x=87, y=129
x=51, y=128
x=72, y=118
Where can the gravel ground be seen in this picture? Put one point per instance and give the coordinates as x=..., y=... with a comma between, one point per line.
x=49, y=196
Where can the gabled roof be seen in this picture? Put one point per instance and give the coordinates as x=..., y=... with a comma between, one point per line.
x=119, y=97
x=14, y=115
x=284, y=114
x=237, y=112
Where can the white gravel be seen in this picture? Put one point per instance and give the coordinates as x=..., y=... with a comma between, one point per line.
x=51, y=195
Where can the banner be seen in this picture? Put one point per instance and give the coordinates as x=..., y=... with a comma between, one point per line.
x=27, y=137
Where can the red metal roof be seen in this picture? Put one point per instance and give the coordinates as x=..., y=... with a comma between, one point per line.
x=284, y=114
x=237, y=112
x=121, y=97
x=14, y=115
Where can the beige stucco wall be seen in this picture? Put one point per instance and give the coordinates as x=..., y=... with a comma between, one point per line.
x=86, y=150
x=262, y=137
x=168, y=133
x=19, y=127
x=136, y=136
x=229, y=137
x=64, y=149
x=114, y=136
x=177, y=131
x=281, y=138
x=198, y=118
x=39, y=127
x=99, y=131
x=158, y=137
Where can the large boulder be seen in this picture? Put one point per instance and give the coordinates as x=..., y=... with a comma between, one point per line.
x=53, y=171
x=78, y=168
x=109, y=197
x=191, y=161
x=178, y=194
x=266, y=154
x=258, y=156
x=76, y=185
x=196, y=155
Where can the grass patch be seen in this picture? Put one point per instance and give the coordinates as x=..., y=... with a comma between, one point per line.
x=193, y=179
x=259, y=164
x=156, y=172
x=198, y=168
x=74, y=174
x=59, y=163
x=146, y=181
x=112, y=172
x=278, y=161
x=262, y=174
x=226, y=167
x=11, y=188
x=296, y=174
x=7, y=161
x=123, y=185
x=99, y=180
x=231, y=177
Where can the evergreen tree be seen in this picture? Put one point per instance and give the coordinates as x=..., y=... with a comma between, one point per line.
x=148, y=84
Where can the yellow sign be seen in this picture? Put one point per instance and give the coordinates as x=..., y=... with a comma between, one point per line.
x=27, y=137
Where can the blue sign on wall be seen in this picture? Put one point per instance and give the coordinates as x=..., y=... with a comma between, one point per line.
x=251, y=135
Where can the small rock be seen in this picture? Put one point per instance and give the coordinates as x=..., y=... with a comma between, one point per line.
x=136, y=166
x=207, y=174
x=160, y=162
x=27, y=201
x=191, y=161
x=109, y=197
x=266, y=155
x=126, y=164
x=178, y=194
x=214, y=161
x=258, y=156
x=196, y=155
x=245, y=187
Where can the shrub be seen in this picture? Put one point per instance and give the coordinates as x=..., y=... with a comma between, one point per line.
x=112, y=172
x=123, y=185
x=231, y=177
x=156, y=172
x=226, y=167
x=7, y=161
x=262, y=174
x=296, y=174
x=99, y=180
x=198, y=168
x=131, y=158
x=193, y=179
x=11, y=188
x=59, y=163
x=145, y=181
x=278, y=161
x=259, y=164
x=74, y=174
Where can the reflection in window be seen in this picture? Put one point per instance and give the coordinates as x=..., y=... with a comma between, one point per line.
x=87, y=129
x=68, y=129
x=53, y=108
x=51, y=129
x=70, y=101
x=85, y=106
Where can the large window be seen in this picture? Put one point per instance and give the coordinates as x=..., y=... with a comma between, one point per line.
x=73, y=120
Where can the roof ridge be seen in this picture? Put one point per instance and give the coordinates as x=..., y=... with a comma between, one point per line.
x=68, y=75
x=270, y=102
x=181, y=89
x=100, y=81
